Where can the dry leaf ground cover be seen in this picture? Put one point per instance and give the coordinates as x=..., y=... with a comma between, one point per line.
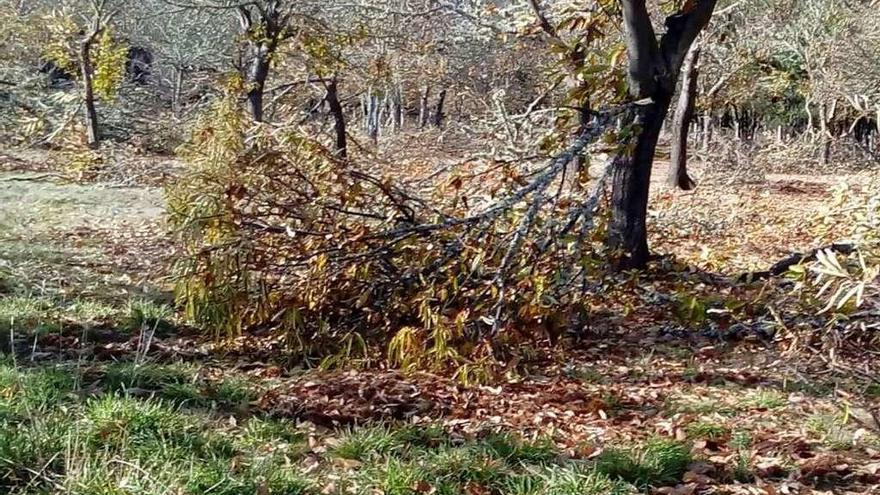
x=102, y=391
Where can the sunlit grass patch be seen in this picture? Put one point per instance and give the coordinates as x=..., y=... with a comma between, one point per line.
x=19, y=313
x=85, y=311
x=706, y=430
x=659, y=462
x=360, y=443
x=698, y=405
x=24, y=390
x=832, y=430
x=514, y=449
x=149, y=315
x=764, y=399
x=177, y=382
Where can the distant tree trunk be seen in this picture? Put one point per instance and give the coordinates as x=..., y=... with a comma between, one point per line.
x=572, y=170
x=653, y=70
x=373, y=117
x=684, y=112
x=256, y=77
x=91, y=115
x=397, y=109
x=424, y=111
x=177, y=92
x=826, y=117
x=707, y=131
x=262, y=29
x=437, y=120
x=338, y=118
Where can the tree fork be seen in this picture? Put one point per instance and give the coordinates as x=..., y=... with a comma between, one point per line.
x=652, y=72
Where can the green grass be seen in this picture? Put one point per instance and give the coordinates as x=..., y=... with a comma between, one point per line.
x=659, y=462
x=698, y=406
x=149, y=315
x=832, y=430
x=764, y=399
x=705, y=430
x=93, y=430
x=24, y=312
x=741, y=441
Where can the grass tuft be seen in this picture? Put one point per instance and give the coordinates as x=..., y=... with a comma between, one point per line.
x=659, y=463
x=705, y=430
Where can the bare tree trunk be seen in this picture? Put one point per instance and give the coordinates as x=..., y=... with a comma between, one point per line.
x=338, y=118
x=653, y=69
x=91, y=115
x=631, y=180
x=373, y=118
x=572, y=171
x=397, y=109
x=825, y=151
x=178, y=90
x=707, y=131
x=437, y=119
x=257, y=74
x=424, y=112
x=684, y=112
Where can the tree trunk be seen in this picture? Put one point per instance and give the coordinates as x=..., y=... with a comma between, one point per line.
x=373, y=118
x=338, y=118
x=652, y=71
x=178, y=90
x=631, y=179
x=257, y=74
x=571, y=174
x=707, y=131
x=91, y=115
x=684, y=112
x=424, y=112
x=437, y=119
x=397, y=109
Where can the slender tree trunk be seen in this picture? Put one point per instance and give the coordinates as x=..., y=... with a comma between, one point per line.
x=91, y=115
x=424, y=111
x=373, y=118
x=178, y=90
x=684, y=112
x=437, y=119
x=338, y=118
x=707, y=131
x=397, y=109
x=631, y=179
x=257, y=74
x=572, y=170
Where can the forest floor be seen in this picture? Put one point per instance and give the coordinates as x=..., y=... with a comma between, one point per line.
x=103, y=391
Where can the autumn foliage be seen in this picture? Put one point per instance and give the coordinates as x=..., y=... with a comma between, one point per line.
x=281, y=235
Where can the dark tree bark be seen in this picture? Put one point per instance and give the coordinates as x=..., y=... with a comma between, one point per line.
x=571, y=173
x=397, y=109
x=631, y=180
x=263, y=26
x=653, y=70
x=257, y=74
x=424, y=111
x=91, y=114
x=437, y=118
x=681, y=122
x=338, y=118
x=373, y=117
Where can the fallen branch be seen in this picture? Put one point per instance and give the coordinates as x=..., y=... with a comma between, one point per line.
x=782, y=266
